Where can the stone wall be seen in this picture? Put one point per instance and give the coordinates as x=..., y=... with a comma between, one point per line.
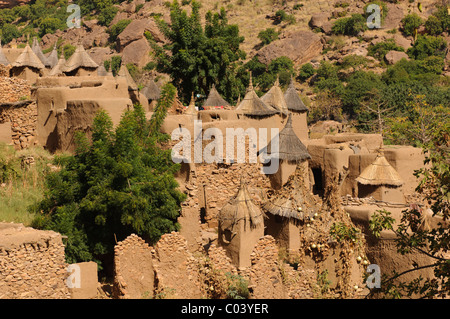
x=32, y=264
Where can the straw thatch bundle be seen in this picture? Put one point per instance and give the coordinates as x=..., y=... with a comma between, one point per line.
x=293, y=200
x=80, y=59
x=38, y=51
x=191, y=110
x=240, y=208
x=59, y=67
x=28, y=59
x=214, y=99
x=52, y=59
x=252, y=105
x=380, y=172
x=293, y=100
x=275, y=98
x=290, y=147
x=151, y=91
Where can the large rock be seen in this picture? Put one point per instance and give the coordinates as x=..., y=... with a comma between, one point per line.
x=319, y=20
x=394, y=16
x=135, y=31
x=393, y=57
x=300, y=47
x=137, y=52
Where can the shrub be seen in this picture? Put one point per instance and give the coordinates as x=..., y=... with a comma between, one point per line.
x=427, y=45
x=281, y=15
x=380, y=49
x=306, y=71
x=410, y=23
x=350, y=26
x=443, y=15
x=268, y=35
x=433, y=26
x=107, y=15
x=9, y=32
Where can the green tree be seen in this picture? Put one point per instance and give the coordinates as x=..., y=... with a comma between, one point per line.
x=268, y=35
x=433, y=26
x=410, y=24
x=350, y=25
x=198, y=57
x=427, y=45
x=9, y=32
x=306, y=71
x=120, y=183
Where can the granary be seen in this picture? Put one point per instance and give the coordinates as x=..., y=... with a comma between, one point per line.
x=191, y=110
x=241, y=224
x=288, y=208
x=136, y=96
x=57, y=70
x=380, y=181
x=214, y=99
x=80, y=64
x=38, y=51
x=291, y=152
x=3, y=59
x=52, y=59
x=298, y=109
x=152, y=92
x=27, y=66
x=101, y=71
x=275, y=98
x=252, y=106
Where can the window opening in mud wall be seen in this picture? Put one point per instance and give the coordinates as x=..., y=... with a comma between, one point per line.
x=318, y=181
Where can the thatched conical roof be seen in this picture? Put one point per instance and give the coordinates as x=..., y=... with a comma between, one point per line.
x=28, y=59
x=290, y=147
x=123, y=72
x=380, y=172
x=252, y=105
x=241, y=207
x=101, y=71
x=293, y=200
x=275, y=98
x=52, y=59
x=38, y=51
x=59, y=67
x=214, y=99
x=151, y=91
x=80, y=59
x=3, y=59
x=293, y=100
x=191, y=110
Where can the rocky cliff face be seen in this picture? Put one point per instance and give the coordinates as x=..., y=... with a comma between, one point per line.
x=12, y=3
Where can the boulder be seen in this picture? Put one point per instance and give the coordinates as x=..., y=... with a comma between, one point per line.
x=299, y=46
x=137, y=52
x=400, y=40
x=135, y=31
x=393, y=57
x=394, y=16
x=319, y=20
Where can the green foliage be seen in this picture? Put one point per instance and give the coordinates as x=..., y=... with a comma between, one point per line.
x=282, y=16
x=410, y=23
x=117, y=29
x=379, y=50
x=107, y=15
x=342, y=232
x=113, y=64
x=433, y=26
x=427, y=45
x=379, y=221
x=268, y=35
x=198, y=57
x=9, y=32
x=68, y=50
x=350, y=25
x=443, y=16
x=120, y=183
x=237, y=287
x=50, y=25
x=306, y=71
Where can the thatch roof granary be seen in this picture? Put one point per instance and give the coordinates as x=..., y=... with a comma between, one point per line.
x=241, y=225
x=80, y=59
x=123, y=72
x=191, y=110
x=52, y=59
x=293, y=101
x=290, y=147
x=214, y=99
x=28, y=59
x=380, y=172
x=38, y=51
x=275, y=98
x=151, y=91
x=252, y=105
x=101, y=71
x=59, y=67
